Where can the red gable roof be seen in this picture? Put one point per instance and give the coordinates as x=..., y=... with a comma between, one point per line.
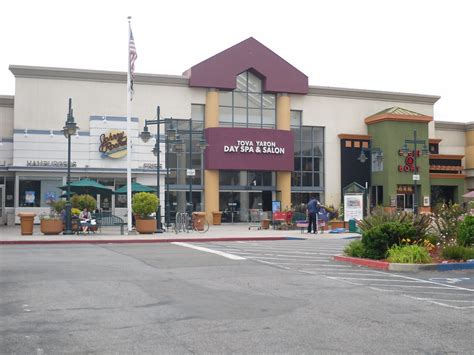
x=221, y=70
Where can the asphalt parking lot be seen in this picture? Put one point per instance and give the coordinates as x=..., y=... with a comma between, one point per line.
x=452, y=289
x=224, y=297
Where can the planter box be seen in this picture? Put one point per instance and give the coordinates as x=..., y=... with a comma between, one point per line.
x=338, y=224
x=51, y=226
x=199, y=220
x=216, y=218
x=145, y=226
x=26, y=222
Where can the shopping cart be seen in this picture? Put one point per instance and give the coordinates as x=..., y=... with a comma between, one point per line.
x=255, y=218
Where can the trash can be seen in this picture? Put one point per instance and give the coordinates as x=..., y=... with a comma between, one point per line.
x=352, y=226
x=26, y=222
x=216, y=218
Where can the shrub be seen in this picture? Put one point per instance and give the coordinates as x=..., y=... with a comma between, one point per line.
x=421, y=222
x=432, y=238
x=75, y=211
x=456, y=252
x=83, y=201
x=379, y=217
x=59, y=205
x=465, y=235
x=446, y=220
x=355, y=249
x=379, y=239
x=144, y=204
x=408, y=254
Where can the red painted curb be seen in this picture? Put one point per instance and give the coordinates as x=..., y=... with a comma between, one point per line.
x=124, y=241
x=375, y=264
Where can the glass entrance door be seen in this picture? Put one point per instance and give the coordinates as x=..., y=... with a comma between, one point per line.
x=236, y=205
x=401, y=202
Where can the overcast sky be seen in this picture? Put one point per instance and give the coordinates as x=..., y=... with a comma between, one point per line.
x=416, y=46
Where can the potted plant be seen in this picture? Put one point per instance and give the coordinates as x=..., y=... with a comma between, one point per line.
x=143, y=205
x=51, y=223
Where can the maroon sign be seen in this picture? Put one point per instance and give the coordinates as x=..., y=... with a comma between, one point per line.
x=248, y=149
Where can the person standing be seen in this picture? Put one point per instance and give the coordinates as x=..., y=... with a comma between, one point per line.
x=312, y=211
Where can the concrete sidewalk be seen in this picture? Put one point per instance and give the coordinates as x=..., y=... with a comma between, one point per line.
x=229, y=232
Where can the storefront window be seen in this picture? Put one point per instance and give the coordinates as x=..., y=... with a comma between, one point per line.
x=247, y=106
x=309, y=154
x=9, y=191
x=39, y=192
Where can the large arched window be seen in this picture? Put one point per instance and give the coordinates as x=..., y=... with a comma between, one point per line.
x=247, y=105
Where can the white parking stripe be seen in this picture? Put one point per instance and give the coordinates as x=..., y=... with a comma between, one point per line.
x=281, y=258
x=444, y=299
x=423, y=286
x=450, y=294
x=439, y=303
x=249, y=251
x=207, y=250
x=434, y=283
x=373, y=279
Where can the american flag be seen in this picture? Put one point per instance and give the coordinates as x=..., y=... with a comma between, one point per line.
x=132, y=57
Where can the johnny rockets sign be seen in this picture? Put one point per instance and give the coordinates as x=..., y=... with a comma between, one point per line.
x=248, y=149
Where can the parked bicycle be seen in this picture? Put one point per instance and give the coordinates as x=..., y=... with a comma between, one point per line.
x=184, y=223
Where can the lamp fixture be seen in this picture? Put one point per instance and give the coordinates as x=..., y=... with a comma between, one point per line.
x=104, y=119
x=202, y=144
x=51, y=133
x=178, y=144
x=145, y=135
x=172, y=133
x=362, y=157
x=425, y=150
x=405, y=149
x=26, y=132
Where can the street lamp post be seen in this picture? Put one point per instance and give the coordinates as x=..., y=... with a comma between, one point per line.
x=70, y=128
x=416, y=176
x=171, y=137
x=145, y=136
x=363, y=158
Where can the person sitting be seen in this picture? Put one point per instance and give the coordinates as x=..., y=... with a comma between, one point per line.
x=85, y=217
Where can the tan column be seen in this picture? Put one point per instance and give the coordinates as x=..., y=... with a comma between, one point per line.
x=470, y=149
x=211, y=177
x=283, y=108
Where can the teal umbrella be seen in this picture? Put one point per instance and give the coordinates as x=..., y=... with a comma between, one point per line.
x=136, y=187
x=87, y=186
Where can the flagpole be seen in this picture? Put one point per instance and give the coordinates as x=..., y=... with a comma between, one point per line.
x=129, y=150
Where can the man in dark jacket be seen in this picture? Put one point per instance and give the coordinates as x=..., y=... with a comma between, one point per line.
x=313, y=209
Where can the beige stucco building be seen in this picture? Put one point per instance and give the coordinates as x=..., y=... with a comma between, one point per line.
x=260, y=91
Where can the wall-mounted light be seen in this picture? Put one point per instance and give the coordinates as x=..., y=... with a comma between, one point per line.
x=51, y=133
x=26, y=132
x=1, y=141
x=77, y=134
x=104, y=119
